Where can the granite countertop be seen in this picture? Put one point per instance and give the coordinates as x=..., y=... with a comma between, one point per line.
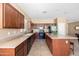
x=61, y=36
x=14, y=42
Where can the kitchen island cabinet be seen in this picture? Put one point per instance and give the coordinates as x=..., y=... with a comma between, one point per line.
x=59, y=45
x=18, y=46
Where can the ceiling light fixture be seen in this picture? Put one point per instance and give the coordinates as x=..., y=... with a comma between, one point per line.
x=44, y=12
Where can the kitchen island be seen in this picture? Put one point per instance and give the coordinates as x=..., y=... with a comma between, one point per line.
x=59, y=45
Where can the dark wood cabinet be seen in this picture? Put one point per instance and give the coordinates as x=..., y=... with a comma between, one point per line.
x=20, y=21
x=58, y=47
x=11, y=17
x=25, y=48
x=19, y=50
x=30, y=42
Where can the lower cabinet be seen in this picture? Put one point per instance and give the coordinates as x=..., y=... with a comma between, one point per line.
x=58, y=47
x=49, y=43
x=25, y=48
x=21, y=50
x=61, y=47
x=30, y=42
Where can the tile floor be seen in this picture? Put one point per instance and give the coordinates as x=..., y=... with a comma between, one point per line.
x=40, y=48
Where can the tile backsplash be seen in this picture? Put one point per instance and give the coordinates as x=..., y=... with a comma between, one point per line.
x=6, y=34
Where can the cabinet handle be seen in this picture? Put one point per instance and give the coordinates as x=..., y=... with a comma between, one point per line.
x=66, y=41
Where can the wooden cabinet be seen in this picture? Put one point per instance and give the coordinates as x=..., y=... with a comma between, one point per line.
x=21, y=50
x=49, y=43
x=30, y=42
x=11, y=17
x=58, y=47
x=20, y=21
x=25, y=48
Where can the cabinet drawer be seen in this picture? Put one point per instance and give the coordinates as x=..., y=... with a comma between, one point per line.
x=20, y=52
x=25, y=50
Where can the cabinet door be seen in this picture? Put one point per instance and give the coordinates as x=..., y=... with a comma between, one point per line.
x=21, y=21
x=61, y=47
x=18, y=20
x=33, y=37
x=12, y=17
x=20, y=50
x=49, y=43
x=7, y=16
x=25, y=48
x=66, y=47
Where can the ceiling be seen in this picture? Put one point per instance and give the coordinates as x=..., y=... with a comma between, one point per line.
x=51, y=10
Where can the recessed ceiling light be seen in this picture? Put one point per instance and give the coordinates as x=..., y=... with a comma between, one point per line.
x=65, y=12
x=44, y=11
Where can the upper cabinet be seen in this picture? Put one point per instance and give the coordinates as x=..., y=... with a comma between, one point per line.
x=10, y=17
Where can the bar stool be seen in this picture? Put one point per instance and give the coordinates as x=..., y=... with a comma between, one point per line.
x=72, y=47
